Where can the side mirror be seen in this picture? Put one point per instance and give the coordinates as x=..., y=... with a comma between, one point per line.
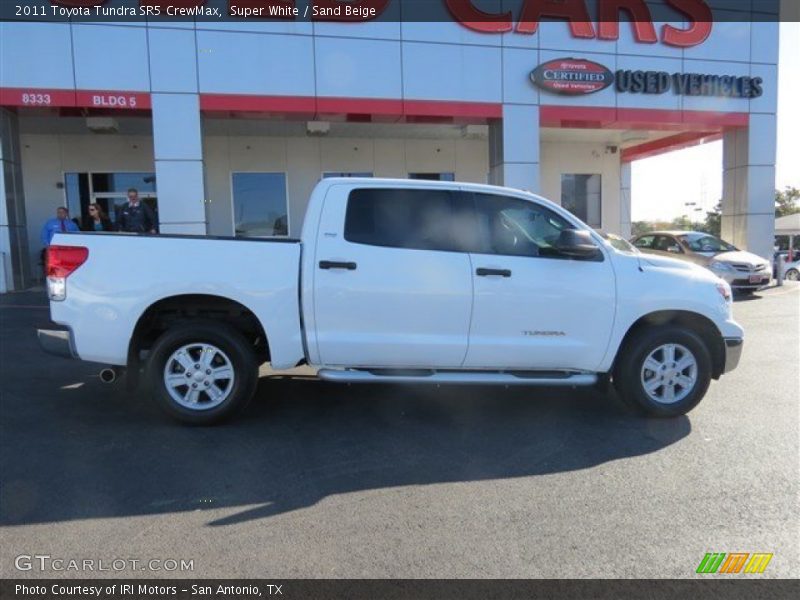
x=577, y=243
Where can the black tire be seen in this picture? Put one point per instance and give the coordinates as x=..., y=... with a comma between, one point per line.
x=241, y=356
x=792, y=275
x=630, y=362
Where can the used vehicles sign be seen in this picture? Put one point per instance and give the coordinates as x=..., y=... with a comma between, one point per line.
x=578, y=76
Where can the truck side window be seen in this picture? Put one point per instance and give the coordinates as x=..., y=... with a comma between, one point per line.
x=517, y=227
x=421, y=219
x=646, y=241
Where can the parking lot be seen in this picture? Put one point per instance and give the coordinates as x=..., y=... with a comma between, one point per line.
x=320, y=480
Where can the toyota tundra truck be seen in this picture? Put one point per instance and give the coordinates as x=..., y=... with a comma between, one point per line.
x=393, y=281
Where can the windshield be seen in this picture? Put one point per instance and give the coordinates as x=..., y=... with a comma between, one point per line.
x=619, y=243
x=701, y=242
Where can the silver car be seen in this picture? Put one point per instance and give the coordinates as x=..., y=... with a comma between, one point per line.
x=791, y=270
x=744, y=271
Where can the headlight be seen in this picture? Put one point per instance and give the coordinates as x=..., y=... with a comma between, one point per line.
x=724, y=290
x=720, y=267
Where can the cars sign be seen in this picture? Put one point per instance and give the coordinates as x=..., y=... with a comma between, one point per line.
x=572, y=76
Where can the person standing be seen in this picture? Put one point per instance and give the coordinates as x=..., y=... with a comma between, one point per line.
x=98, y=220
x=61, y=223
x=135, y=216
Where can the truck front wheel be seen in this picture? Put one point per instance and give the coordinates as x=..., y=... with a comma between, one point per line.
x=663, y=371
x=202, y=372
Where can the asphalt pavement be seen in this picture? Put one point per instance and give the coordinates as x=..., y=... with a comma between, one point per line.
x=326, y=480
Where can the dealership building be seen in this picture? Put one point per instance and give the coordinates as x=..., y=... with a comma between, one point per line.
x=225, y=126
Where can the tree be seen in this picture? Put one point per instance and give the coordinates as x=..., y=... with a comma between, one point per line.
x=786, y=202
x=683, y=223
x=641, y=227
x=713, y=224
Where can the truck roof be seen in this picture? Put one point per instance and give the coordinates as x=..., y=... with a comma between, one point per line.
x=424, y=183
x=321, y=190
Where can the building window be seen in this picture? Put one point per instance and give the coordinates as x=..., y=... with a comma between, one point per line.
x=433, y=176
x=109, y=190
x=580, y=195
x=260, y=206
x=122, y=182
x=329, y=174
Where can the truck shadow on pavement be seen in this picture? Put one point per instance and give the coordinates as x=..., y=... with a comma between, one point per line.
x=73, y=448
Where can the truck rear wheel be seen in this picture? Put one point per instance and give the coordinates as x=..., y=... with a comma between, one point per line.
x=663, y=371
x=202, y=372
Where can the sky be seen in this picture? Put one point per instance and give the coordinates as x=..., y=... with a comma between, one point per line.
x=662, y=185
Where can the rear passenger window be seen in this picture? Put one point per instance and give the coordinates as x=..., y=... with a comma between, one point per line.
x=645, y=241
x=411, y=218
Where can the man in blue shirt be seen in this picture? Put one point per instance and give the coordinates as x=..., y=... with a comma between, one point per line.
x=62, y=223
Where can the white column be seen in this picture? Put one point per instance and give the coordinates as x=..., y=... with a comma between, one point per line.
x=748, y=193
x=625, y=200
x=177, y=132
x=514, y=148
x=178, y=147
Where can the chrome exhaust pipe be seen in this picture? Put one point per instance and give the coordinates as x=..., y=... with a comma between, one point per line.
x=108, y=375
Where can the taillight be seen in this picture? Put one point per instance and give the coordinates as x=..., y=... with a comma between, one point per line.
x=61, y=262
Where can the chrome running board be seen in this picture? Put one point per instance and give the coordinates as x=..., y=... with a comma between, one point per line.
x=542, y=378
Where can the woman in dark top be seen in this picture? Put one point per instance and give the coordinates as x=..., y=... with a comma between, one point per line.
x=98, y=220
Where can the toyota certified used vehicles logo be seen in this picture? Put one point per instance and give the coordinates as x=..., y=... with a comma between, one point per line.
x=572, y=76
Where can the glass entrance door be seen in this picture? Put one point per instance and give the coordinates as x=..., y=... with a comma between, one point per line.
x=109, y=190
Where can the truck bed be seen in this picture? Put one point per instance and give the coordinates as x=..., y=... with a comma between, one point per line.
x=125, y=274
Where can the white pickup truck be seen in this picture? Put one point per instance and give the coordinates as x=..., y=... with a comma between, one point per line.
x=394, y=281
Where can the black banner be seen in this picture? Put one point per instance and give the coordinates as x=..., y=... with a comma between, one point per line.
x=488, y=16
x=398, y=589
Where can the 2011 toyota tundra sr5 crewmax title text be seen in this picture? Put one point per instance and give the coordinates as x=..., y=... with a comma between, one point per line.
x=394, y=281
